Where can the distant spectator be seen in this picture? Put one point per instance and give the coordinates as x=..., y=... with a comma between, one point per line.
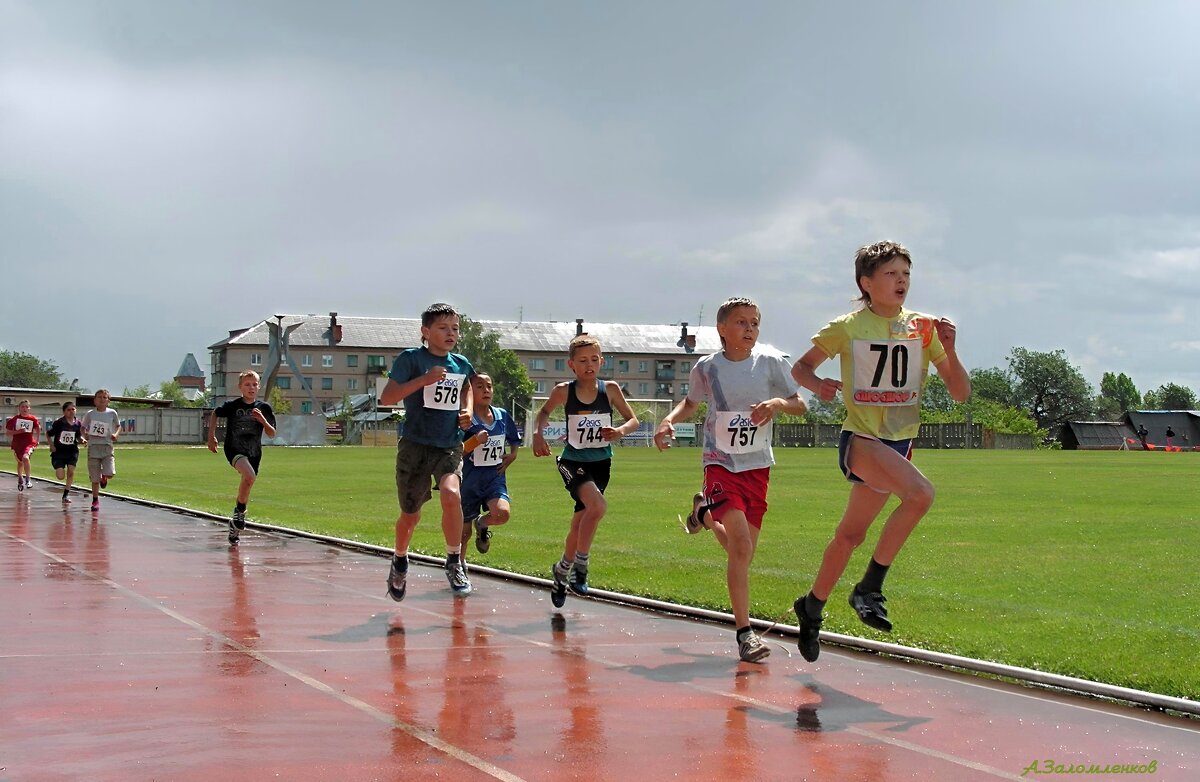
x=1170, y=435
x=1142, y=433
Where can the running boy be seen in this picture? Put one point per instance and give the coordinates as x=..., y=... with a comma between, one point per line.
x=745, y=386
x=586, y=461
x=65, y=435
x=485, y=500
x=432, y=382
x=23, y=431
x=247, y=419
x=101, y=427
x=885, y=354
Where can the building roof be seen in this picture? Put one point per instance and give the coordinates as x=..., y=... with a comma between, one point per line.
x=189, y=368
x=314, y=331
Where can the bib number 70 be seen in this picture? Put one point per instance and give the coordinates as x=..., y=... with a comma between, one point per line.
x=898, y=353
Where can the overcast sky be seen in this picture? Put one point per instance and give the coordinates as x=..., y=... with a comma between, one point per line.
x=173, y=170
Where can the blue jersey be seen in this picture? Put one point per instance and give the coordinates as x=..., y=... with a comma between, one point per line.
x=431, y=412
x=501, y=434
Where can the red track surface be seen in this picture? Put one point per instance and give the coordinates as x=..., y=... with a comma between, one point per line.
x=136, y=645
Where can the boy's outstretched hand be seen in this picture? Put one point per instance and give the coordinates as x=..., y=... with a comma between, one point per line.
x=663, y=435
x=947, y=332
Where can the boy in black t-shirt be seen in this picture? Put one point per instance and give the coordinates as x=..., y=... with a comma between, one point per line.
x=65, y=436
x=247, y=420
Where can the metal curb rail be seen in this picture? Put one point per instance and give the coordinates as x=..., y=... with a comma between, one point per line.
x=941, y=659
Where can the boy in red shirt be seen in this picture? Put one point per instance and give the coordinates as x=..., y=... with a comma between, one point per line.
x=24, y=430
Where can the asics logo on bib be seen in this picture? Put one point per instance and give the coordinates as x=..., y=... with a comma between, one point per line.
x=589, y=423
x=740, y=420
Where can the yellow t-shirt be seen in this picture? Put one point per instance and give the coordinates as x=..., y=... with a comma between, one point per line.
x=884, y=365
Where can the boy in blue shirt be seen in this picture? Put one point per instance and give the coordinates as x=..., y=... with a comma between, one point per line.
x=486, y=456
x=432, y=382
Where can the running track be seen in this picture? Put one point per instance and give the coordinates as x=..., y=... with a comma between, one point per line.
x=137, y=645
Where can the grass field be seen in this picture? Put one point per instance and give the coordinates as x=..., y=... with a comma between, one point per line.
x=1078, y=563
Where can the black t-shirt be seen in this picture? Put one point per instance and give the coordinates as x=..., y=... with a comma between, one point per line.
x=243, y=434
x=65, y=436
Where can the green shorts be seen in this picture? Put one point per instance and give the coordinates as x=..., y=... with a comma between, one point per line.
x=419, y=466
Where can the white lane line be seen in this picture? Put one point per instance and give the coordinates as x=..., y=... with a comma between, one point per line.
x=418, y=733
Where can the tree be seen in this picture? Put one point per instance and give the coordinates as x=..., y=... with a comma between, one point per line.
x=22, y=370
x=934, y=397
x=1170, y=396
x=170, y=389
x=137, y=392
x=995, y=384
x=280, y=405
x=1117, y=392
x=510, y=381
x=820, y=412
x=1049, y=387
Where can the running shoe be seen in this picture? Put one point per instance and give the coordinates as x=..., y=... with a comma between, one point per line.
x=694, y=524
x=20, y=484
x=457, y=577
x=233, y=533
x=239, y=519
x=28, y=482
x=66, y=500
x=103, y=481
x=483, y=536
x=397, y=582
x=558, y=592
x=752, y=649
x=578, y=581
x=871, y=609
x=95, y=505
x=809, y=640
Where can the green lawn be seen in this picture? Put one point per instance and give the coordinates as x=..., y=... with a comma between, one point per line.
x=1076, y=563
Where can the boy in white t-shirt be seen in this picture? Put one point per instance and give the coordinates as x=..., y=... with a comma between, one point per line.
x=746, y=386
x=101, y=427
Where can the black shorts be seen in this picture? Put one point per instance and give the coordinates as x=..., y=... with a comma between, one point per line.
x=254, y=460
x=575, y=474
x=60, y=460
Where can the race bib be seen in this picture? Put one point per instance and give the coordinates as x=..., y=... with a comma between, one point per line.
x=66, y=437
x=23, y=425
x=736, y=434
x=98, y=429
x=583, y=431
x=490, y=453
x=887, y=373
x=445, y=393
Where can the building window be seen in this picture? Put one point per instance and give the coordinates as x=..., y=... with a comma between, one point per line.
x=622, y=366
x=560, y=365
x=352, y=384
x=306, y=383
x=256, y=359
x=608, y=363
x=537, y=364
x=683, y=389
x=326, y=384
x=643, y=366
x=352, y=361
x=643, y=389
x=283, y=382
x=685, y=366
x=327, y=361
x=539, y=387
x=305, y=407
x=306, y=360
x=375, y=362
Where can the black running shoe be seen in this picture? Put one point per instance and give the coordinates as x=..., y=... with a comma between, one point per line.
x=809, y=640
x=871, y=609
x=233, y=532
x=483, y=537
x=456, y=574
x=578, y=581
x=558, y=592
x=239, y=519
x=694, y=522
x=397, y=582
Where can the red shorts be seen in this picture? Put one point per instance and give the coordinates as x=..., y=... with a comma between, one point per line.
x=744, y=491
x=23, y=452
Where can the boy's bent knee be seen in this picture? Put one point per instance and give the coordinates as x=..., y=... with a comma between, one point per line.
x=498, y=516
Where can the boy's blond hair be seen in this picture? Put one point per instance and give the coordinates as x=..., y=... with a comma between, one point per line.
x=582, y=341
x=732, y=303
x=246, y=374
x=100, y=391
x=870, y=257
x=24, y=402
